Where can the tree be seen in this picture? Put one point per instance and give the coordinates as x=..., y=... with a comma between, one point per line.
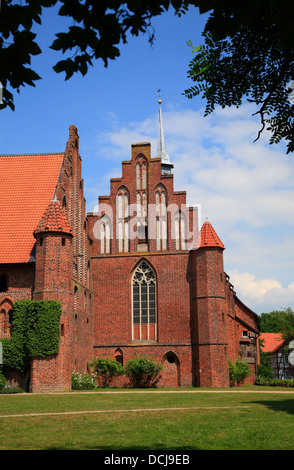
x=248, y=53
x=278, y=321
x=97, y=29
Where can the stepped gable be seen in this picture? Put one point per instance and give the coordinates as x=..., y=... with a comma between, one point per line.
x=54, y=220
x=207, y=237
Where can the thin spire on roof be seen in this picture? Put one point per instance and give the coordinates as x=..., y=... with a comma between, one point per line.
x=161, y=151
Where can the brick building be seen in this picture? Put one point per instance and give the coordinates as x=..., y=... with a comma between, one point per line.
x=138, y=277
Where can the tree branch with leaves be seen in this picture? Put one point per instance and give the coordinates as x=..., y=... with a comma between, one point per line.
x=247, y=61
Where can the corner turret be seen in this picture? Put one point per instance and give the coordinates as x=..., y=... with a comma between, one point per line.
x=210, y=309
x=53, y=279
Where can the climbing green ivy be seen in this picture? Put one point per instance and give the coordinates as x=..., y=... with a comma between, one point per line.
x=35, y=333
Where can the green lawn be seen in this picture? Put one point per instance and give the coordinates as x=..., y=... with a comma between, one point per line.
x=246, y=418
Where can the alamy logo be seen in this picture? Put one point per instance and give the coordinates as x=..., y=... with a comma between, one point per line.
x=134, y=217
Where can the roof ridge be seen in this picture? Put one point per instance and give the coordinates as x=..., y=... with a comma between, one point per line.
x=30, y=154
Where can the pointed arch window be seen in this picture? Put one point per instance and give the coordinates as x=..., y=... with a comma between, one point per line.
x=144, y=175
x=105, y=235
x=141, y=175
x=144, y=302
x=180, y=231
x=138, y=176
x=161, y=219
x=122, y=212
x=123, y=236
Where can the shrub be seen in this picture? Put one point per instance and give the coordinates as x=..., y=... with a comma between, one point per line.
x=105, y=370
x=3, y=382
x=264, y=371
x=142, y=372
x=274, y=382
x=82, y=381
x=12, y=390
x=238, y=371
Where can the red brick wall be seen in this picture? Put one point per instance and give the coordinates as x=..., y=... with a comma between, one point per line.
x=112, y=285
x=20, y=280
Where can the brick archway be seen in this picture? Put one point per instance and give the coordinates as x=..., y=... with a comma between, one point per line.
x=5, y=318
x=171, y=370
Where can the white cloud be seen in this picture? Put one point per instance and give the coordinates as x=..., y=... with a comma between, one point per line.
x=263, y=295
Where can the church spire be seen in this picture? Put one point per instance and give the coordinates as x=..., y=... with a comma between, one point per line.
x=161, y=150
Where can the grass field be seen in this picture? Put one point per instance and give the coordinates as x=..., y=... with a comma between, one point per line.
x=246, y=418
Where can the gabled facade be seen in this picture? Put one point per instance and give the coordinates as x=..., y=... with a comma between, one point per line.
x=138, y=277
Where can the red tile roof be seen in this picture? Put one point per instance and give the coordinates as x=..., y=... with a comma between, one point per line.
x=207, y=237
x=271, y=341
x=54, y=220
x=27, y=186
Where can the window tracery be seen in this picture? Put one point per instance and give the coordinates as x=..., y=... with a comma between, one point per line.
x=144, y=302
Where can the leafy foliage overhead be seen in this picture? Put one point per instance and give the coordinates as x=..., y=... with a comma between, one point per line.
x=248, y=52
x=98, y=28
x=278, y=321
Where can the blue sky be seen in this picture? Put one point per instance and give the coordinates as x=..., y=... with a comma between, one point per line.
x=245, y=189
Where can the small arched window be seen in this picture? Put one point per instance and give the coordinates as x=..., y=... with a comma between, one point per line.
x=76, y=300
x=119, y=356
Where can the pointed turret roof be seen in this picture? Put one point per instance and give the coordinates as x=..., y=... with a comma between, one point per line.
x=54, y=220
x=207, y=237
x=161, y=150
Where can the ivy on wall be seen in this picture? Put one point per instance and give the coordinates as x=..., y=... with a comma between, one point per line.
x=35, y=332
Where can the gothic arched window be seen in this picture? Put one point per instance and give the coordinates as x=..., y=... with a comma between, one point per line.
x=161, y=219
x=122, y=224
x=144, y=302
x=180, y=231
x=141, y=175
x=105, y=235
